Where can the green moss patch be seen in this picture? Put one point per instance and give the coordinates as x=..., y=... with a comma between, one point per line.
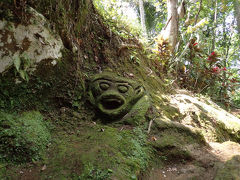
x=23, y=138
x=98, y=152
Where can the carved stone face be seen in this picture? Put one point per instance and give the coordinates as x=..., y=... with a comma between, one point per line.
x=114, y=96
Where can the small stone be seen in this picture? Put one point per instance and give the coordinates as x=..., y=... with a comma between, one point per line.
x=44, y=167
x=131, y=74
x=54, y=62
x=62, y=109
x=174, y=169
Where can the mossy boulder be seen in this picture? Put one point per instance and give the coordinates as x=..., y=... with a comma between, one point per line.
x=202, y=114
x=171, y=140
x=23, y=138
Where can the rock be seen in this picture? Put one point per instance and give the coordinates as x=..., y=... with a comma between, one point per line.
x=230, y=170
x=28, y=43
x=200, y=113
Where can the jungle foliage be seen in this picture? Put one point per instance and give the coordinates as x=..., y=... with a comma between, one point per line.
x=206, y=58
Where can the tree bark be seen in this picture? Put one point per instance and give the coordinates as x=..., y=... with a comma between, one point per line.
x=237, y=14
x=214, y=25
x=171, y=31
x=142, y=17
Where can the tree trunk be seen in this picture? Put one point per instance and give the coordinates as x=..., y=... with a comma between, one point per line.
x=142, y=16
x=237, y=14
x=214, y=25
x=226, y=49
x=171, y=31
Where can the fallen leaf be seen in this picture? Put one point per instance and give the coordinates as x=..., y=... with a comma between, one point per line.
x=96, y=59
x=153, y=138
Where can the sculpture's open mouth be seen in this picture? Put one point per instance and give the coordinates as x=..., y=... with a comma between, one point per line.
x=111, y=102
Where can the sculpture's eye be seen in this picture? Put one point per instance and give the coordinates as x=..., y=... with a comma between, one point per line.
x=138, y=90
x=104, y=86
x=122, y=88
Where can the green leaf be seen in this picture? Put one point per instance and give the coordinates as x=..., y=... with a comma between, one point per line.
x=110, y=170
x=17, y=63
x=131, y=57
x=24, y=75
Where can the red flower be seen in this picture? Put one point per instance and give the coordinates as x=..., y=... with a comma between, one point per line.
x=212, y=57
x=216, y=69
x=224, y=69
x=195, y=44
x=212, y=54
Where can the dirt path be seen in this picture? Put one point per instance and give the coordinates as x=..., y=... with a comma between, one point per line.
x=204, y=166
x=235, y=112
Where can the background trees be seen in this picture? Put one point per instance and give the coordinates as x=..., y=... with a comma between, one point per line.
x=205, y=36
x=237, y=13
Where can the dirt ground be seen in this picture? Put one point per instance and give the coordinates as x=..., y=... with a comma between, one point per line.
x=235, y=112
x=204, y=166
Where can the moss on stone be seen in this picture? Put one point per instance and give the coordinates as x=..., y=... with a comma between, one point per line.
x=214, y=129
x=230, y=170
x=172, y=138
x=138, y=112
x=115, y=97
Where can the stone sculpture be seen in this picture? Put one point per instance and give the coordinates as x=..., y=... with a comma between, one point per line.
x=114, y=96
